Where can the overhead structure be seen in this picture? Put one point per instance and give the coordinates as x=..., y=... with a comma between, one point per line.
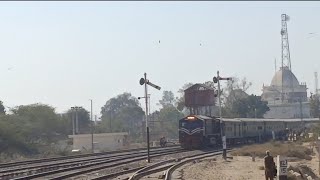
x=285, y=51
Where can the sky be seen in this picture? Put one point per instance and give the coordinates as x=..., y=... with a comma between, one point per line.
x=65, y=53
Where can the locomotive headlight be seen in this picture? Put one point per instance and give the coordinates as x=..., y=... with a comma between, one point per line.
x=191, y=118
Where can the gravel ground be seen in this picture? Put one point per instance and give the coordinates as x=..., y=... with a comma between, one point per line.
x=238, y=168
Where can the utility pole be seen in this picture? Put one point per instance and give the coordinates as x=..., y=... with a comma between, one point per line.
x=316, y=91
x=92, y=147
x=148, y=104
x=110, y=121
x=76, y=124
x=222, y=127
x=144, y=81
x=146, y=100
x=73, y=124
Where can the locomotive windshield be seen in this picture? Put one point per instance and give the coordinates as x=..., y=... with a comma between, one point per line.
x=187, y=124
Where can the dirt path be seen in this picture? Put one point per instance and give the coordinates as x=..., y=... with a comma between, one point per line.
x=238, y=168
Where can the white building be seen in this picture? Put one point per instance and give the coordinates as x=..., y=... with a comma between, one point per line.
x=103, y=141
x=286, y=97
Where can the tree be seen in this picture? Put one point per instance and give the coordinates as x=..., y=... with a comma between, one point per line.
x=11, y=139
x=167, y=99
x=315, y=106
x=237, y=103
x=235, y=90
x=2, y=108
x=247, y=107
x=39, y=122
x=122, y=113
x=31, y=129
x=83, y=119
x=167, y=119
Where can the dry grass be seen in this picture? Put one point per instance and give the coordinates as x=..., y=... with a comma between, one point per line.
x=276, y=148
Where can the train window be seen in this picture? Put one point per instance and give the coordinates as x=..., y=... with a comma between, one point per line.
x=259, y=127
x=183, y=124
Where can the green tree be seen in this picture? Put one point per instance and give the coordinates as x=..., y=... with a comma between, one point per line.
x=11, y=139
x=122, y=113
x=237, y=103
x=168, y=118
x=83, y=119
x=2, y=108
x=247, y=107
x=234, y=91
x=167, y=99
x=38, y=122
x=256, y=107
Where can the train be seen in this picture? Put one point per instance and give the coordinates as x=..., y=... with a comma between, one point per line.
x=199, y=131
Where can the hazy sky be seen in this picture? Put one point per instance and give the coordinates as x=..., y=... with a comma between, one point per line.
x=65, y=53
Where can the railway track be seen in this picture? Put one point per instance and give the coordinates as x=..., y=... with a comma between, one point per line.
x=42, y=160
x=167, y=165
x=63, y=170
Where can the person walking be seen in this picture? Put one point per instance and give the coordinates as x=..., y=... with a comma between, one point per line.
x=269, y=166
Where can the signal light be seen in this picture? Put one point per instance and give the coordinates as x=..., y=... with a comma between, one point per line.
x=215, y=79
x=142, y=81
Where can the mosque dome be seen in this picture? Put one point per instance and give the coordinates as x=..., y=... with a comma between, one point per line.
x=285, y=76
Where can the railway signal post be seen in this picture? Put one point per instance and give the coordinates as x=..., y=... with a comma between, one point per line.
x=222, y=128
x=144, y=81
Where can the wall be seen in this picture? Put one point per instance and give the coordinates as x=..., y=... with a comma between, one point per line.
x=284, y=111
x=104, y=141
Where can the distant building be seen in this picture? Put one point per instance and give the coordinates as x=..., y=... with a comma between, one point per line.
x=286, y=97
x=103, y=141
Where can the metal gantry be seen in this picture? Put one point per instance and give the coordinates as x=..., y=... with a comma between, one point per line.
x=285, y=52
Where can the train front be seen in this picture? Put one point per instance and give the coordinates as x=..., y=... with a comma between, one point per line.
x=191, y=131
